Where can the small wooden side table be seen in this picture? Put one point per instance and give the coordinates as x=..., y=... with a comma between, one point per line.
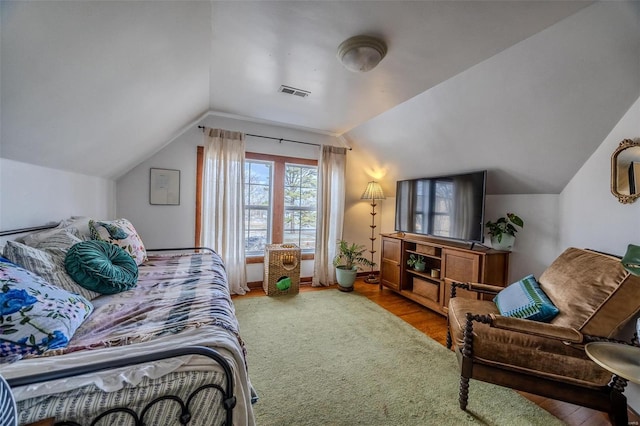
x=622, y=360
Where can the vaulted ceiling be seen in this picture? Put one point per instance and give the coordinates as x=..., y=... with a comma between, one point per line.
x=526, y=89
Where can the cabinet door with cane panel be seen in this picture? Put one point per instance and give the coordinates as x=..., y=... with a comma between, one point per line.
x=390, y=263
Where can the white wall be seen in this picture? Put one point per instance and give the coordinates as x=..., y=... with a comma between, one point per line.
x=34, y=195
x=362, y=168
x=536, y=243
x=590, y=216
x=174, y=226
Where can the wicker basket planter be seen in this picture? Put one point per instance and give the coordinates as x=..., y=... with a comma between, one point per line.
x=281, y=261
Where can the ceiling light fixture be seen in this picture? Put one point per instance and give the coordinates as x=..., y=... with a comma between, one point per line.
x=361, y=53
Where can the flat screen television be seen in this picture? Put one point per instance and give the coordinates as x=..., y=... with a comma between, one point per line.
x=444, y=206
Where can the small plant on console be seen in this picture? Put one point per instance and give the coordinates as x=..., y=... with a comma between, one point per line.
x=417, y=262
x=503, y=231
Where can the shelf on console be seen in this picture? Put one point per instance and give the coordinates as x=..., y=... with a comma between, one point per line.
x=456, y=262
x=430, y=256
x=424, y=275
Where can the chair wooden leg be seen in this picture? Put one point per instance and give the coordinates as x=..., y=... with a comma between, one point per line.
x=463, y=396
x=449, y=342
x=618, y=414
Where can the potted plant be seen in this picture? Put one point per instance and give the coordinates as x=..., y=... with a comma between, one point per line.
x=417, y=262
x=503, y=231
x=347, y=262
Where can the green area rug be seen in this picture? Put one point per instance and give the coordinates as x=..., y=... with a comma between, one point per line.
x=332, y=358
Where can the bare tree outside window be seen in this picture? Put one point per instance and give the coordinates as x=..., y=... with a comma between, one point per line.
x=300, y=198
x=280, y=203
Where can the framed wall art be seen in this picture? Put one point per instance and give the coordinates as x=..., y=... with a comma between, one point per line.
x=164, y=187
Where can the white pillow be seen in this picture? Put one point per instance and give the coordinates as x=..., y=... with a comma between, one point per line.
x=77, y=225
x=81, y=223
x=58, y=242
x=46, y=265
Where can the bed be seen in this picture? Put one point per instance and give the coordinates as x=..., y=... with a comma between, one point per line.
x=167, y=351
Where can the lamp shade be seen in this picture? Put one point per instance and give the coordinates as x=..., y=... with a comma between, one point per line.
x=373, y=192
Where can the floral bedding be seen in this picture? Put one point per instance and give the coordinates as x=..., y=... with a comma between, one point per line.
x=35, y=316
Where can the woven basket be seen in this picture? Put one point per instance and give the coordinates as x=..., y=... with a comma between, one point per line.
x=281, y=261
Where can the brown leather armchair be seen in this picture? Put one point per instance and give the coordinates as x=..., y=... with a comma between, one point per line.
x=596, y=297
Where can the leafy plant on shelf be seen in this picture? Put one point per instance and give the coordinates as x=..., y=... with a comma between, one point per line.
x=504, y=225
x=417, y=262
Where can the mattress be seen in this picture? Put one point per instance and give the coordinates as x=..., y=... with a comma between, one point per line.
x=180, y=300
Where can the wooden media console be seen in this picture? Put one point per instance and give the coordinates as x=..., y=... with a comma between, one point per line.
x=446, y=261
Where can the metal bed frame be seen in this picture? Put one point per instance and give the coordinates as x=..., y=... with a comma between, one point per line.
x=228, y=398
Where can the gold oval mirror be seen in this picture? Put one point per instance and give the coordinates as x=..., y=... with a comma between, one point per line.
x=625, y=171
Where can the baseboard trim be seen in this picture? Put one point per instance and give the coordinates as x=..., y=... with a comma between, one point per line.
x=305, y=280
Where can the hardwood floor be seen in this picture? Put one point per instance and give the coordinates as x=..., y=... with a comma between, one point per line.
x=435, y=326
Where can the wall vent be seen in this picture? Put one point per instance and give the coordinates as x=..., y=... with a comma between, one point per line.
x=293, y=91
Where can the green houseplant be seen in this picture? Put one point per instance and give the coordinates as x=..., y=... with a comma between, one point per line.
x=503, y=231
x=417, y=262
x=347, y=262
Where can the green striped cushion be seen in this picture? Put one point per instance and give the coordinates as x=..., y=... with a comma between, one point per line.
x=525, y=299
x=102, y=267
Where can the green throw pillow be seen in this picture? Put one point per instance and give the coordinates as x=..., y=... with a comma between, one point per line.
x=101, y=266
x=525, y=299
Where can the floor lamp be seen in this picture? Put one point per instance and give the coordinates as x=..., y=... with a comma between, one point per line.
x=373, y=193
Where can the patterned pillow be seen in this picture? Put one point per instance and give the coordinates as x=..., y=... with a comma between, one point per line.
x=36, y=316
x=121, y=233
x=47, y=265
x=525, y=299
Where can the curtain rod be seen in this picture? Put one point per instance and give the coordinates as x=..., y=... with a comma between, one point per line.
x=278, y=139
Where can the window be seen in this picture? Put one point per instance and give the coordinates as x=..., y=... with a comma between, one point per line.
x=258, y=176
x=280, y=202
x=300, y=199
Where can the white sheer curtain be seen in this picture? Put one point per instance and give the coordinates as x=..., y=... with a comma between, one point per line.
x=331, y=190
x=223, y=202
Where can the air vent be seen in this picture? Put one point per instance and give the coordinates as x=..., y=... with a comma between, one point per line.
x=293, y=91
